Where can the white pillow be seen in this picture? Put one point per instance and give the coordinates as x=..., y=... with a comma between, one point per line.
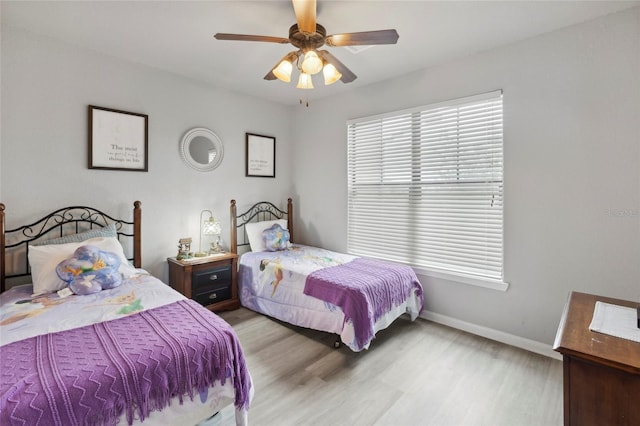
x=44, y=259
x=254, y=232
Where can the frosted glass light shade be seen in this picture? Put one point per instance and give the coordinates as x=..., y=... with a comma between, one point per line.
x=305, y=82
x=331, y=74
x=311, y=64
x=283, y=71
x=211, y=227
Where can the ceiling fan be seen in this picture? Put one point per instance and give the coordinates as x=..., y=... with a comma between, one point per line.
x=308, y=36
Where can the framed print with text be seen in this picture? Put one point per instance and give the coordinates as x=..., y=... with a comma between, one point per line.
x=261, y=156
x=118, y=140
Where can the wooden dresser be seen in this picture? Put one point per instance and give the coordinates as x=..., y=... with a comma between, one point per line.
x=601, y=372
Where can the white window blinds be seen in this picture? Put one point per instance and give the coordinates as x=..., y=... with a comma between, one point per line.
x=425, y=186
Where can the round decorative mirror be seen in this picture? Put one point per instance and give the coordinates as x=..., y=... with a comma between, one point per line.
x=201, y=149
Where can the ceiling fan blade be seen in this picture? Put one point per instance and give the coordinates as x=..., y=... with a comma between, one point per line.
x=363, y=38
x=305, y=15
x=347, y=75
x=245, y=37
x=291, y=56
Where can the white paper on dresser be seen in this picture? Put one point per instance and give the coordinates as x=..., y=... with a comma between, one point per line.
x=615, y=320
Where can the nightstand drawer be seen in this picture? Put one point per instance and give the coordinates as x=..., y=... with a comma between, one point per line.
x=210, y=278
x=215, y=294
x=211, y=281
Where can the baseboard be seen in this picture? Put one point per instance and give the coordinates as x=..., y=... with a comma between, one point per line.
x=490, y=333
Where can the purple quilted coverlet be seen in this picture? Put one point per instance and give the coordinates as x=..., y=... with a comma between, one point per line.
x=93, y=375
x=365, y=289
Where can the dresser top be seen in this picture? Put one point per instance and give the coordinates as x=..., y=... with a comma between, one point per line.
x=574, y=337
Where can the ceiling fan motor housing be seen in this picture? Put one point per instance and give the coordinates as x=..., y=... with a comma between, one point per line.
x=307, y=41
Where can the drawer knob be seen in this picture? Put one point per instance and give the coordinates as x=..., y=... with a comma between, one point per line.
x=213, y=296
x=213, y=277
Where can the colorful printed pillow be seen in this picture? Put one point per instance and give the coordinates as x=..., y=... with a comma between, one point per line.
x=90, y=270
x=275, y=238
x=254, y=232
x=43, y=261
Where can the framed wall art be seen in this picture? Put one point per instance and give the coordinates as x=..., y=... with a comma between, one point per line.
x=261, y=156
x=118, y=140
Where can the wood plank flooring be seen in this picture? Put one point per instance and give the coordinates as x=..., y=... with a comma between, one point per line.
x=414, y=373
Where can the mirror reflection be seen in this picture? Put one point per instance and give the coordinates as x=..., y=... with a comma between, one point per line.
x=202, y=150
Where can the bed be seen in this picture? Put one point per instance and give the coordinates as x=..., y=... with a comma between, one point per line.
x=351, y=296
x=133, y=351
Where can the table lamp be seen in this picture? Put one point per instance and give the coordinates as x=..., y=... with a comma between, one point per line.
x=208, y=227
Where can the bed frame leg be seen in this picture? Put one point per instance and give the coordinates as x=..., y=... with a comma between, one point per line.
x=337, y=343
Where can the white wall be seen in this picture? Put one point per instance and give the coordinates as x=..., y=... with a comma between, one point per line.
x=46, y=87
x=572, y=158
x=572, y=169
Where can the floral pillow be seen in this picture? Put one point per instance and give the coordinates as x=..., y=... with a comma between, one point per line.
x=255, y=229
x=43, y=261
x=90, y=270
x=276, y=238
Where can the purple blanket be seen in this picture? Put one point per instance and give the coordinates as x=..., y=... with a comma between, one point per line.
x=365, y=289
x=133, y=365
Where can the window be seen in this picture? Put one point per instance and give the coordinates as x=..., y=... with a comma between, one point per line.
x=425, y=187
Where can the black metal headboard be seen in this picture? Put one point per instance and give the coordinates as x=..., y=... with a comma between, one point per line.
x=260, y=211
x=65, y=221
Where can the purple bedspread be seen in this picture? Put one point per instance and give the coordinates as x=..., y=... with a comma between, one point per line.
x=92, y=375
x=365, y=289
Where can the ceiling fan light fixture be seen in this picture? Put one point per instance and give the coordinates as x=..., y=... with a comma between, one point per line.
x=305, y=82
x=312, y=64
x=283, y=71
x=331, y=74
x=308, y=36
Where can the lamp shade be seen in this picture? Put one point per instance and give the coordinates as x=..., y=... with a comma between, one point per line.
x=305, y=82
x=312, y=64
x=211, y=227
x=283, y=70
x=331, y=74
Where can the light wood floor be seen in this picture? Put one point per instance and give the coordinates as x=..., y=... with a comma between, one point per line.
x=414, y=373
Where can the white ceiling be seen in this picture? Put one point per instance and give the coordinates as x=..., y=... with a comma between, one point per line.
x=177, y=36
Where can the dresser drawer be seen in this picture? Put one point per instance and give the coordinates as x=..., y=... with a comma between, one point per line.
x=215, y=294
x=210, y=278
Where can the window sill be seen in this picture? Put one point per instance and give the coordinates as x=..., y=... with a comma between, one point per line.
x=464, y=279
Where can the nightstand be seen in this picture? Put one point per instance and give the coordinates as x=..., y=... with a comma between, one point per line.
x=210, y=281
